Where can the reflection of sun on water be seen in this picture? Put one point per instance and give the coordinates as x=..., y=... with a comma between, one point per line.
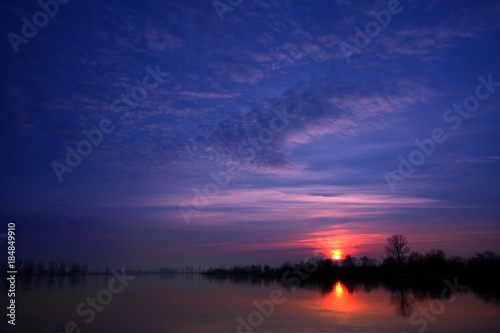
x=338, y=289
x=340, y=300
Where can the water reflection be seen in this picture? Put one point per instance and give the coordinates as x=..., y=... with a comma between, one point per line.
x=27, y=283
x=403, y=302
x=339, y=289
x=403, y=294
x=340, y=298
x=169, y=303
x=244, y=280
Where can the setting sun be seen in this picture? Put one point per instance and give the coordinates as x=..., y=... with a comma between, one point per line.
x=336, y=255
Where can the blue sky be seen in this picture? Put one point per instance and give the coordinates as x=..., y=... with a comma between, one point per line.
x=258, y=139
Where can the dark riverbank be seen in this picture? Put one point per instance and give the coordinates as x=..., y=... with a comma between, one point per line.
x=420, y=274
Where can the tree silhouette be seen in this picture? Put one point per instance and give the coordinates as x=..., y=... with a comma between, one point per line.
x=75, y=269
x=52, y=268
x=397, y=248
x=40, y=268
x=28, y=267
x=349, y=261
x=62, y=268
x=367, y=262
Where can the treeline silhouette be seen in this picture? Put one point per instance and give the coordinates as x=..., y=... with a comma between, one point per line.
x=420, y=275
x=28, y=267
x=171, y=270
x=432, y=265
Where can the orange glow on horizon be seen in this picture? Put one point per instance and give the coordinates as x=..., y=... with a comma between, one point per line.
x=336, y=255
x=337, y=242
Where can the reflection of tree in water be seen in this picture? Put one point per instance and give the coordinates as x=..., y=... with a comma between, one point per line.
x=403, y=302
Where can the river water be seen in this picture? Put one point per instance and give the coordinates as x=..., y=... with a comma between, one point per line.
x=194, y=303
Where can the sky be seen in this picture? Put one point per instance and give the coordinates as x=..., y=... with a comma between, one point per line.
x=171, y=133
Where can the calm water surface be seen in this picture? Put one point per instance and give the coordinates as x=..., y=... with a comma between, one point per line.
x=192, y=303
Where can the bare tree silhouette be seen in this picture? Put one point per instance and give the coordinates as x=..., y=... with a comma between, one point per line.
x=52, y=269
x=75, y=269
x=397, y=248
x=40, y=268
x=84, y=269
x=28, y=267
x=62, y=268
